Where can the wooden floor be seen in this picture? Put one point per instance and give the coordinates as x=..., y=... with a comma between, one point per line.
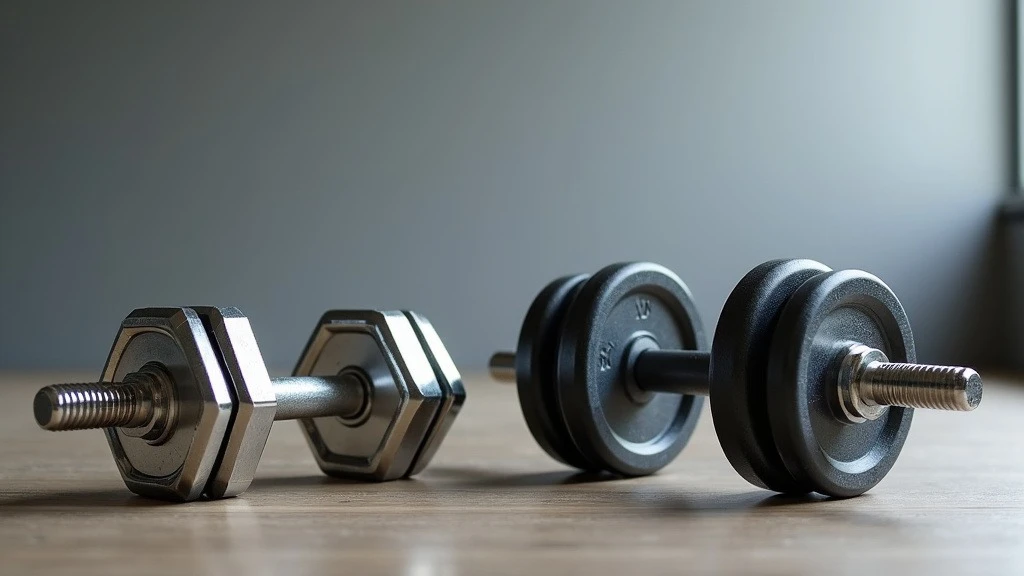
x=492, y=502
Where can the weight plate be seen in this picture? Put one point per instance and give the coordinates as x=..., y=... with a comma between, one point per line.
x=383, y=348
x=821, y=319
x=176, y=340
x=739, y=365
x=453, y=393
x=536, y=358
x=620, y=303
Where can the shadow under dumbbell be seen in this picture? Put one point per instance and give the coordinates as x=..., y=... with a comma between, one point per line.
x=670, y=503
x=656, y=497
x=838, y=510
x=479, y=478
x=98, y=499
x=121, y=498
x=299, y=481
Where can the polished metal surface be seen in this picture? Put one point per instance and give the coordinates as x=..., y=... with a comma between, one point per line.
x=91, y=405
x=389, y=429
x=144, y=402
x=868, y=383
x=256, y=403
x=406, y=396
x=450, y=381
x=143, y=406
x=139, y=401
x=179, y=467
x=161, y=401
x=849, y=401
x=345, y=396
x=502, y=366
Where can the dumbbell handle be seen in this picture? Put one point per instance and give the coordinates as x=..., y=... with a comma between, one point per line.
x=141, y=399
x=867, y=381
x=673, y=371
x=344, y=395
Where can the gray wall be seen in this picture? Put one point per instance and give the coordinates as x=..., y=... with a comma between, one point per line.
x=452, y=157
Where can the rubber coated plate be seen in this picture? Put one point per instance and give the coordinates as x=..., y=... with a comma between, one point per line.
x=536, y=365
x=826, y=314
x=739, y=370
x=619, y=303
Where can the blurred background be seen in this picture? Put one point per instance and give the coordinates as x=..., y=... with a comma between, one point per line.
x=454, y=156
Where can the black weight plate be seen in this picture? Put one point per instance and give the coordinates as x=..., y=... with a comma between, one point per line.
x=536, y=367
x=827, y=313
x=739, y=367
x=617, y=304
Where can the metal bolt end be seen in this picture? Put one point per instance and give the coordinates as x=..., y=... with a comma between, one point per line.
x=502, y=366
x=922, y=386
x=143, y=406
x=86, y=405
x=868, y=383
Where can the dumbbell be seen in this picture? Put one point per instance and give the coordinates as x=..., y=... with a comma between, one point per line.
x=187, y=404
x=811, y=374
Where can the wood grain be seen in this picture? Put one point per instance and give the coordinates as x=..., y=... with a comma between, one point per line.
x=493, y=503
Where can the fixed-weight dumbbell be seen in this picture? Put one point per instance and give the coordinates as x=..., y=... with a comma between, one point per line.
x=187, y=404
x=811, y=374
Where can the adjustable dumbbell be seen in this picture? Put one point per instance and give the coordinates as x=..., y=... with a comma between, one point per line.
x=187, y=404
x=811, y=374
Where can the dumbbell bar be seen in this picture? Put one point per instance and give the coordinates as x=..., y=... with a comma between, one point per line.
x=145, y=403
x=187, y=404
x=867, y=382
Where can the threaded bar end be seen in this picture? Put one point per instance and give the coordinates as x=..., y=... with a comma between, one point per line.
x=91, y=405
x=502, y=366
x=921, y=386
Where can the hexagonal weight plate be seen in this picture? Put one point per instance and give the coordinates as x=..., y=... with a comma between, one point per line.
x=453, y=393
x=404, y=400
x=179, y=468
x=233, y=337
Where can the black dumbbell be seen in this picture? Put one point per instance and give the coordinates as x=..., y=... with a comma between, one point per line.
x=811, y=374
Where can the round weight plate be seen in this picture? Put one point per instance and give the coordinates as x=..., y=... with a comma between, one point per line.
x=739, y=366
x=536, y=367
x=618, y=304
x=826, y=314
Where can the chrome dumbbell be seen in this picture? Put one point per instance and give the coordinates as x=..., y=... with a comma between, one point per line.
x=187, y=404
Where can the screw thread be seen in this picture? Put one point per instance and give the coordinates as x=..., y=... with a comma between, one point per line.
x=92, y=405
x=502, y=366
x=920, y=386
